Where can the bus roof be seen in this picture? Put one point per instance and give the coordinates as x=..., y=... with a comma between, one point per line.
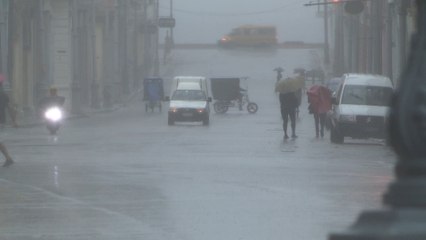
x=256, y=26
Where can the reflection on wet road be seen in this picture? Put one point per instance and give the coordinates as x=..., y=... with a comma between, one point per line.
x=128, y=175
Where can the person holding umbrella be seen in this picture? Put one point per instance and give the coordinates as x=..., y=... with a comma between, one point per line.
x=319, y=99
x=289, y=102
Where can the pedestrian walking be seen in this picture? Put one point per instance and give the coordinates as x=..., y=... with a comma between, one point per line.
x=289, y=103
x=288, y=90
x=5, y=107
x=52, y=100
x=319, y=99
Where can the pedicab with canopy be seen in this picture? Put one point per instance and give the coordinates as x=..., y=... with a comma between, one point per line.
x=231, y=92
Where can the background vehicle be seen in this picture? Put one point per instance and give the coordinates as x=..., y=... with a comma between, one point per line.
x=51, y=110
x=53, y=116
x=250, y=36
x=229, y=92
x=201, y=81
x=360, y=108
x=189, y=101
x=153, y=93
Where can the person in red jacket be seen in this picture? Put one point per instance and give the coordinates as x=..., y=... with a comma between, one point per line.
x=319, y=99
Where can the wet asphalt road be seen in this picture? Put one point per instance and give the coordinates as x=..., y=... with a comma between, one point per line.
x=127, y=175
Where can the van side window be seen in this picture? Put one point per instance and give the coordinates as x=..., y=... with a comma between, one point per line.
x=366, y=95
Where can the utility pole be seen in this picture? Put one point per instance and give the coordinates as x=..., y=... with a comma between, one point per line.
x=339, y=61
x=122, y=19
x=172, y=40
x=76, y=93
x=157, y=40
x=3, y=31
x=136, y=10
x=326, y=44
x=94, y=86
x=10, y=37
x=403, y=31
x=376, y=34
x=389, y=43
x=146, y=41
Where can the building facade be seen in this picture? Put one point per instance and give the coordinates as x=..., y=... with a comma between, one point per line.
x=96, y=52
x=374, y=41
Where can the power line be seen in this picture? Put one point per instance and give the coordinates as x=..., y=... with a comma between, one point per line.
x=218, y=14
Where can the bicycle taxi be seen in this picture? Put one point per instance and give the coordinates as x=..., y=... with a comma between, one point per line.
x=231, y=92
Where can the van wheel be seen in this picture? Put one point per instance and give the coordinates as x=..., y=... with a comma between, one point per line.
x=335, y=136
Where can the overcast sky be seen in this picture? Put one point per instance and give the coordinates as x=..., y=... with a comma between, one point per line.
x=205, y=21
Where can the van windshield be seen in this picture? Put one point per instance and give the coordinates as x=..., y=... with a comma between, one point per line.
x=189, y=95
x=367, y=95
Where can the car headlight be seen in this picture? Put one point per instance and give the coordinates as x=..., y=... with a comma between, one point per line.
x=200, y=110
x=174, y=110
x=347, y=118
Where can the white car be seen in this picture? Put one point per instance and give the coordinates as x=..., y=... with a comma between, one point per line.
x=360, y=107
x=189, y=103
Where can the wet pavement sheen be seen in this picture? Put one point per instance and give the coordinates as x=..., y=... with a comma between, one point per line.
x=127, y=175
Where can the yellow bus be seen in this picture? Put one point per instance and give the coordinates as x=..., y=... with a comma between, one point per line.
x=250, y=36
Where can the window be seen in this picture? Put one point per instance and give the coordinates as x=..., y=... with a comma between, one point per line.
x=366, y=95
x=189, y=95
x=266, y=31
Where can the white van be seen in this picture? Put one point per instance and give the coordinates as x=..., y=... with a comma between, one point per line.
x=189, y=100
x=360, y=107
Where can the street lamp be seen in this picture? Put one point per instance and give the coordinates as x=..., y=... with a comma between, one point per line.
x=351, y=6
x=405, y=217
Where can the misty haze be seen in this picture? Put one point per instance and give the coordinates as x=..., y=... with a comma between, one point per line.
x=195, y=120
